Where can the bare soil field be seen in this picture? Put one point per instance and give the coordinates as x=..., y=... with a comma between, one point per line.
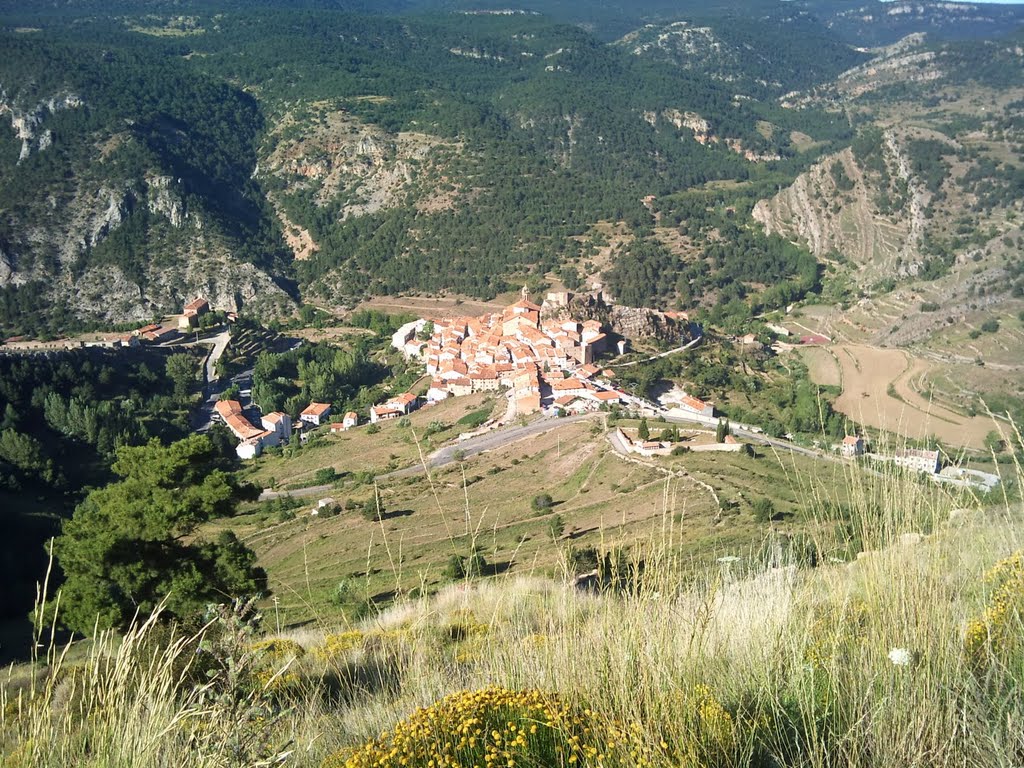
x=878, y=392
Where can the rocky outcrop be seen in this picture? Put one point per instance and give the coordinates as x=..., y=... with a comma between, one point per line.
x=176, y=257
x=106, y=294
x=831, y=220
x=641, y=323
x=6, y=268
x=164, y=201
x=629, y=322
x=363, y=168
x=26, y=122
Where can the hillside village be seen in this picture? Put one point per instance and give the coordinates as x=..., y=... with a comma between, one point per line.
x=544, y=364
x=547, y=362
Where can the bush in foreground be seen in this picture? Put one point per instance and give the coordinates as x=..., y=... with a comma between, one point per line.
x=501, y=727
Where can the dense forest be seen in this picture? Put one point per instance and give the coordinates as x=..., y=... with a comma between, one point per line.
x=352, y=378
x=549, y=119
x=64, y=416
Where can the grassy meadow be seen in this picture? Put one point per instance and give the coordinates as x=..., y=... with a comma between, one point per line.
x=907, y=653
x=323, y=568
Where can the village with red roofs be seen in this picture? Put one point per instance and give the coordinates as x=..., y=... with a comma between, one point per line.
x=547, y=363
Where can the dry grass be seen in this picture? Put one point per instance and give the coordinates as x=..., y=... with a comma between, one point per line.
x=861, y=662
x=598, y=496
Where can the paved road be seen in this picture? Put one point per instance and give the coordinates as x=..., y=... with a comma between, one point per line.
x=220, y=343
x=499, y=438
x=446, y=455
x=202, y=417
x=755, y=437
x=688, y=345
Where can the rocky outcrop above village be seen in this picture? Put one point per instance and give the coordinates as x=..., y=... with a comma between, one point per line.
x=27, y=122
x=628, y=322
x=839, y=208
x=105, y=293
x=641, y=322
x=119, y=248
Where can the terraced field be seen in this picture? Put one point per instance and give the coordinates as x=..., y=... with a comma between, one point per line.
x=881, y=390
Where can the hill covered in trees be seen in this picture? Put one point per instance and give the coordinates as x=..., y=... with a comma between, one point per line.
x=154, y=138
x=263, y=154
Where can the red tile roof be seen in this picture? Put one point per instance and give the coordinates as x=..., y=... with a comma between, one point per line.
x=231, y=412
x=694, y=403
x=316, y=409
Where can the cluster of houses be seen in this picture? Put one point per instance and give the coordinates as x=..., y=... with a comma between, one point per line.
x=549, y=362
x=274, y=428
x=158, y=333
x=277, y=428
x=395, y=408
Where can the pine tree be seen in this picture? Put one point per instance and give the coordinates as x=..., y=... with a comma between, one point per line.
x=131, y=544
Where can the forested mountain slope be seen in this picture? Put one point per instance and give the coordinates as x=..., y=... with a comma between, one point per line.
x=267, y=153
x=449, y=152
x=125, y=186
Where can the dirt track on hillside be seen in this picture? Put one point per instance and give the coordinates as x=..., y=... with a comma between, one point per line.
x=877, y=392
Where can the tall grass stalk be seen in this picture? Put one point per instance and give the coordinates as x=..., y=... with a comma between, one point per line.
x=861, y=660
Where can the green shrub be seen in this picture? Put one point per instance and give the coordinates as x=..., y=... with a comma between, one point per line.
x=325, y=476
x=542, y=502
x=475, y=418
x=763, y=509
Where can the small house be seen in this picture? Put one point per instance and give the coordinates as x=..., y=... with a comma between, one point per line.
x=280, y=424
x=852, y=446
x=917, y=460
x=316, y=413
x=383, y=413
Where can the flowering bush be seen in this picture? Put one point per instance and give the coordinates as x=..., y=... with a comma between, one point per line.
x=338, y=644
x=997, y=632
x=273, y=659
x=499, y=727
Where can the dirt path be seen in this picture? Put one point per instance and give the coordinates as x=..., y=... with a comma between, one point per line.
x=877, y=392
